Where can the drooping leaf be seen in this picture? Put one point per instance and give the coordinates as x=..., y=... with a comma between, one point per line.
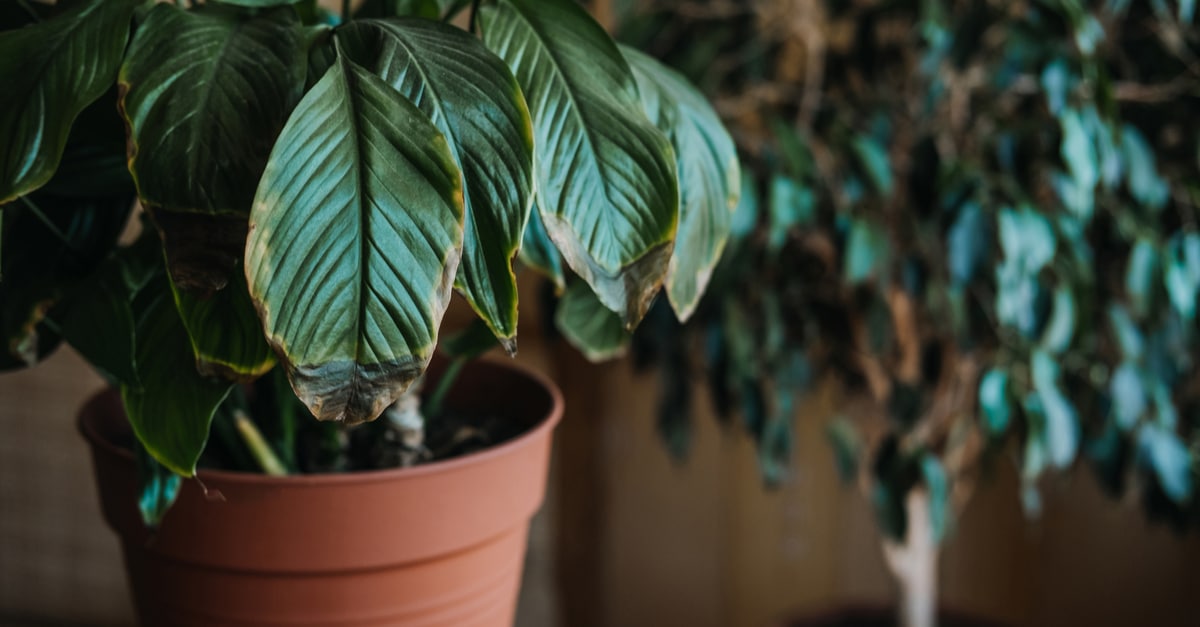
x=225, y=333
x=1128, y=336
x=539, y=253
x=1128, y=395
x=607, y=186
x=52, y=71
x=354, y=241
x=205, y=93
x=475, y=102
x=1061, y=419
x=595, y=330
x=709, y=176
x=172, y=410
x=98, y=322
x=995, y=402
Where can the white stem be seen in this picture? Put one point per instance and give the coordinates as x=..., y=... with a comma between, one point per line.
x=914, y=564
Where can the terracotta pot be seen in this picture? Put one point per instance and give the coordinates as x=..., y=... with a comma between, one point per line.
x=439, y=544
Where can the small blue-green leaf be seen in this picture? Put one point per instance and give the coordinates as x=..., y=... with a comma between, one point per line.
x=1128, y=395
x=1088, y=34
x=1061, y=327
x=1056, y=80
x=1182, y=273
x=867, y=252
x=792, y=205
x=1129, y=338
x=994, y=400
x=1140, y=276
x=1170, y=460
x=938, y=485
x=1078, y=198
x=1062, y=427
x=158, y=487
x=873, y=159
x=1078, y=151
x=1045, y=370
x=967, y=244
x=1145, y=185
x=1027, y=238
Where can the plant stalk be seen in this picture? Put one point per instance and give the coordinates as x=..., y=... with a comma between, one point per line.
x=345, y=10
x=433, y=406
x=266, y=458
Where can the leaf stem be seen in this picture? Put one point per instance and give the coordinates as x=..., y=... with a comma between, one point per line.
x=474, y=11
x=433, y=407
x=24, y=4
x=258, y=446
x=49, y=224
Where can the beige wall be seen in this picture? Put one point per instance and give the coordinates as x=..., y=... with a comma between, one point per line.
x=704, y=545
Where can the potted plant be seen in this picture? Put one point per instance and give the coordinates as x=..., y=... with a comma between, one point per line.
x=314, y=189
x=983, y=218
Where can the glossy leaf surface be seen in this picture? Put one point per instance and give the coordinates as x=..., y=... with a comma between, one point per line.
x=205, y=93
x=606, y=176
x=52, y=71
x=475, y=102
x=354, y=242
x=709, y=177
x=225, y=333
x=592, y=328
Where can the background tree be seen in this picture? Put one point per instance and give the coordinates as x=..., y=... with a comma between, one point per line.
x=981, y=213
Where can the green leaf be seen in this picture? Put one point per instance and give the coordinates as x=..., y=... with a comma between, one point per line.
x=873, y=159
x=709, y=176
x=1027, y=238
x=539, y=253
x=1128, y=336
x=606, y=177
x=51, y=71
x=1145, y=185
x=847, y=447
x=1182, y=273
x=791, y=205
x=994, y=400
x=1170, y=460
x=933, y=474
x=867, y=252
x=225, y=333
x=427, y=9
x=1141, y=275
x=595, y=330
x=158, y=487
x=354, y=241
x=1060, y=329
x=99, y=323
x=475, y=102
x=476, y=339
x=745, y=215
x=259, y=4
x=205, y=92
x=1062, y=421
x=1128, y=395
x=967, y=244
x=172, y=410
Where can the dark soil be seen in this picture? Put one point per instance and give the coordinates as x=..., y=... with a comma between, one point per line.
x=377, y=445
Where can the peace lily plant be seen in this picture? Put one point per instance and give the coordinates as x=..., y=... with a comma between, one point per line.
x=315, y=187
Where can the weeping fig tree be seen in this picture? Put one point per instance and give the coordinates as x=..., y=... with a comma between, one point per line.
x=315, y=187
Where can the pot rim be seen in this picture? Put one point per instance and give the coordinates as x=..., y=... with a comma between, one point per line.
x=546, y=424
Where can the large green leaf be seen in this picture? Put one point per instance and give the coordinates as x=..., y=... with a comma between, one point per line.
x=475, y=102
x=709, y=177
x=172, y=410
x=539, y=253
x=205, y=93
x=596, y=331
x=607, y=190
x=225, y=332
x=50, y=71
x=354, y=241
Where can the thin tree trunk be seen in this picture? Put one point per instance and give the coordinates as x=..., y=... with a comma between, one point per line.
x=915, y=565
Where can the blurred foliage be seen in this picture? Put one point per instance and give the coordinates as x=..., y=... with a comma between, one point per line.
x=981, y=213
